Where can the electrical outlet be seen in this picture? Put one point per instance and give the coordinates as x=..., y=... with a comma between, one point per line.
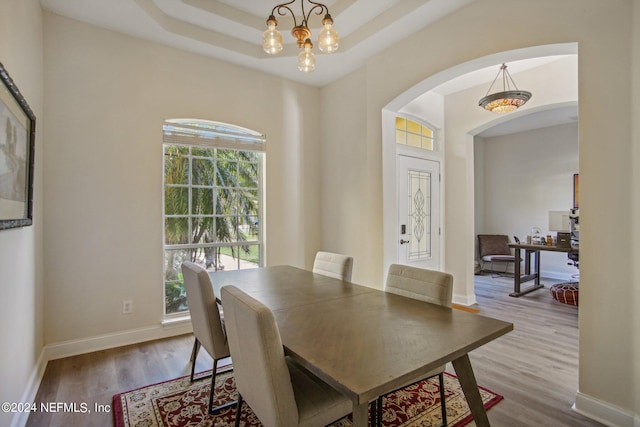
x=127, y=307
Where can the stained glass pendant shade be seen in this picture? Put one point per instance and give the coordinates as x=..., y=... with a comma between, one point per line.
x=509, y=99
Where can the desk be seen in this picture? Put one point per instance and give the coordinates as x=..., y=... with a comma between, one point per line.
x=362, y=341
x=518, y=278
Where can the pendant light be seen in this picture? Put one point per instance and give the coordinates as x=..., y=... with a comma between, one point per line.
x=509, y=99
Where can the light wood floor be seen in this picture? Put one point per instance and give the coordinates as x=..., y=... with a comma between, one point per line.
x=534, y=367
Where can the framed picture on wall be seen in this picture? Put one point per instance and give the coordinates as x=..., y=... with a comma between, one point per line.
x=576, y=190
x=17, y=138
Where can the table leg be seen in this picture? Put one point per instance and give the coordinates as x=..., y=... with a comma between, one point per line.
x=537, y=262
x=360, y=414
x=462, y=365
x=516, y=272
x=518, y=279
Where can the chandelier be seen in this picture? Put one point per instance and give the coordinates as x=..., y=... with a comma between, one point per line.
x=327, y=38
x=507, y=100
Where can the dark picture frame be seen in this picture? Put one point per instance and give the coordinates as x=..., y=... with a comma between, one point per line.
x=17, y=139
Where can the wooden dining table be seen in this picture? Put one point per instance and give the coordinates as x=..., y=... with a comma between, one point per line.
x=363, y=341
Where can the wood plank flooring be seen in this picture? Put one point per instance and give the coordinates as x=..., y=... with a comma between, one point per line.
x=534, y=367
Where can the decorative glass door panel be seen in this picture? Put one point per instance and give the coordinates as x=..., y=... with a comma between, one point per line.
x=419, y=210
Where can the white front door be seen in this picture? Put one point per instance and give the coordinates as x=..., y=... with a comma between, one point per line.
x=418, y=212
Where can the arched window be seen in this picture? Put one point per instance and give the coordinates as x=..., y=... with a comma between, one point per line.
x=212, y=198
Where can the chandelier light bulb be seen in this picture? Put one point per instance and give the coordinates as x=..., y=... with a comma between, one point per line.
x=328, y=40
x=272, y=38
x=306, y=58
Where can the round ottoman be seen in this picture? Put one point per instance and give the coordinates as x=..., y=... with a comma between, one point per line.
x=566, y=293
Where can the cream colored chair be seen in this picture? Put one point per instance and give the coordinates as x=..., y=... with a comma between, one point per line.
x=208, y=326
x=435, y=287
x=333, y=265
x=278, y=391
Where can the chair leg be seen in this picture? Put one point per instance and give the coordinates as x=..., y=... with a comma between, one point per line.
x=194, y=351
x=379, y=412
x=213, y=410
x=194, y=356
x=238, y=410
x=213, y=384
x=373, y=412
x=443, y=405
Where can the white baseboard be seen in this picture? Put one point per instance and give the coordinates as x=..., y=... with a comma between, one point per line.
x=605, y=412
x=556, y=275
x=464, y=300
x=88, y=345
x=30, y=391
x=116, y=339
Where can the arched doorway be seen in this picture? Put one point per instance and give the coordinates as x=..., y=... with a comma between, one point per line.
x=462, y=119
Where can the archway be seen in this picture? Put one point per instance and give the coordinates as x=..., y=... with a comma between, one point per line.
x=462, y=120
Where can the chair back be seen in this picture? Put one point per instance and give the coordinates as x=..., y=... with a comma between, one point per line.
x=431, y=286
x=205, y=314
x=333, y=265
x=493, y=244
x=259, y=364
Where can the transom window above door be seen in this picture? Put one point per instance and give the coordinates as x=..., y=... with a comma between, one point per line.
x=414, y=134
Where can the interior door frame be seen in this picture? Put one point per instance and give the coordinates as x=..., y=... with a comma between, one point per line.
x=390, y=151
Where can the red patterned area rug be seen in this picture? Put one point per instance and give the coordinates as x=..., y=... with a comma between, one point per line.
x=179, y=403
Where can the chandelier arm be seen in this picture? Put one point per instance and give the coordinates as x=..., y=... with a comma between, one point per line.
x=305, y=16
x=322, y=8
x=286, y=6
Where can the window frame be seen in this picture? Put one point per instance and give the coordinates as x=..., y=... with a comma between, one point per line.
x=197, y=134
x=408, y=118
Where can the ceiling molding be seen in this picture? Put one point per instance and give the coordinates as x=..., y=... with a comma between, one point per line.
x=254, y=26
x=231, y=30
x=195, y=32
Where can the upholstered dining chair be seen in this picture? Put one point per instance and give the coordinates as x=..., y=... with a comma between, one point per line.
x=333, y=265
x=435, y=287
x=279, y=391
x=208, y=326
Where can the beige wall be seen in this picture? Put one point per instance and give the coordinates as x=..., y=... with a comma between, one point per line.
x=603, y=33
x=106, y=96
x=21, y=248
x=523, y=177
x=635, y=234
x=348, y=212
